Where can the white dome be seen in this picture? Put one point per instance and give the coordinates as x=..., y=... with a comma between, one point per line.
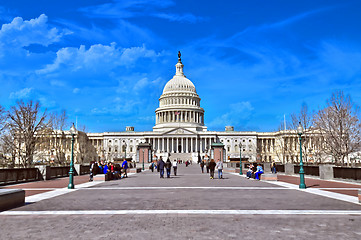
x=179, y=83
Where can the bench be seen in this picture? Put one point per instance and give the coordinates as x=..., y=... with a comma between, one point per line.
x=268, y=177
x=11, y=198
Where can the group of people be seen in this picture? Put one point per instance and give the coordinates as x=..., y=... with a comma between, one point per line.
x=112, y=170
x=254, y=172
x=211, y=165
x=168, y=166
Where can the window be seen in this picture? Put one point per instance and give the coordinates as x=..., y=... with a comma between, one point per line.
x=250, y=140
x=110, y=141
x=244, y=140
x=228, y=149
x=235, y=140
x=110, y=149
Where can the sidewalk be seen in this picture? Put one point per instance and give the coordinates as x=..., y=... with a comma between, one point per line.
x=187, y=206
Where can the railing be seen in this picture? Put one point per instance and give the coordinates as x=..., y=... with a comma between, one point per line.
x=309, y=170
x=84, y=169
x=280, y=168
x=19, y=175
x=347, y=173
x=56, y=172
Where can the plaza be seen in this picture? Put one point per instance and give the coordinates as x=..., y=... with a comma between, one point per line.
x=186, y=206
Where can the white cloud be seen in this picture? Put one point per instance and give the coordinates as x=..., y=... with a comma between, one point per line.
x=76, y=90
x=20, y=33
x=97, y=58
x=21, y=94
x=179, y=17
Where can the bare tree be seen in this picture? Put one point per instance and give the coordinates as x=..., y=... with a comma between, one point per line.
x=339, y=126
x=27, y=123
x=58, y=123
x=305, y=117
x=3, y=118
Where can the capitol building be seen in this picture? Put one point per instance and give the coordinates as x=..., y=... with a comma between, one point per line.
x=179, y=132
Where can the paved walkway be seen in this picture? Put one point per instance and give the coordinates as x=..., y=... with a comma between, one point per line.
x=187, y=206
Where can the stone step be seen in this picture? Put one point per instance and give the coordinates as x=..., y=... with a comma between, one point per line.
x=11, y=198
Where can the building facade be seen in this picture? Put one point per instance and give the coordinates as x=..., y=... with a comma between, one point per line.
x=180, y=133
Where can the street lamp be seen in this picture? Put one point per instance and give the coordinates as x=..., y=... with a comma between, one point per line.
x=240, y=159
x=71, y=173
x=302, y=173
x=143, y=159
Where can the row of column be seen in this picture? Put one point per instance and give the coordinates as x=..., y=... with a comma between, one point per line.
x=180, y=144
x=179, y=116
x=266, y=145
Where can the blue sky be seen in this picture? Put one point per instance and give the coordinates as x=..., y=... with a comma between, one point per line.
x=106, y=62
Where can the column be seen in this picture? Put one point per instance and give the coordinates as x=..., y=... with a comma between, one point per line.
x=187, y=149
x=158, y=149
x=167, y=146
x=163, y=148
x=176, y=150
x=197, y=144
x=182, y=145
x=192, y=144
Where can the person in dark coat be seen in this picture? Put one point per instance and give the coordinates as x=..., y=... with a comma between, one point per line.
x=160, y=167
x=168, y=167
x=202, y=166
x=212, y=165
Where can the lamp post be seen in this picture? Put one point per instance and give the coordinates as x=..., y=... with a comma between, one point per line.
x=302, y=173
x=143, y=159
x=71, y=173
x=240, y=159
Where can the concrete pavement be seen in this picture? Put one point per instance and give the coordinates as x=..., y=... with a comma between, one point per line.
x=187, y=206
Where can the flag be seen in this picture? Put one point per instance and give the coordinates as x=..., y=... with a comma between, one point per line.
x=177, y=113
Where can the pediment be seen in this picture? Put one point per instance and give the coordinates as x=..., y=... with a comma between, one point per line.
x=179, y=131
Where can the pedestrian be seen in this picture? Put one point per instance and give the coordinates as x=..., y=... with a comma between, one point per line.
x=212, y=165
x=91, y=171
x=160, y=167
x=151, y=166
x=219, y=167
x=125, y=167
x=273, y=168
x=250, y=170
x=207, y=165
x=168, y=167
x=175, y=166
x=202, y=166
x=258, y=172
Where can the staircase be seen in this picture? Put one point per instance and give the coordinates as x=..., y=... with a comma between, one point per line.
x=180, y=156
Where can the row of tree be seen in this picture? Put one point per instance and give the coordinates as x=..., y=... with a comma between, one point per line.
x=24, y=126
x=336, y=127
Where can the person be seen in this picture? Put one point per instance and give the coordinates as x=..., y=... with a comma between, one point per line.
x=258, y=172
x=168, y=166
x=250, y=171
x=273, y=168
x=175, y=166
x=151, y=166
x=219, y=167
x=187, y=163
x=160, y=167
x=105, y=168
x=212, y=165
x=125, y=167
x=91, y=171
x=207, y=164
x=202, y=166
